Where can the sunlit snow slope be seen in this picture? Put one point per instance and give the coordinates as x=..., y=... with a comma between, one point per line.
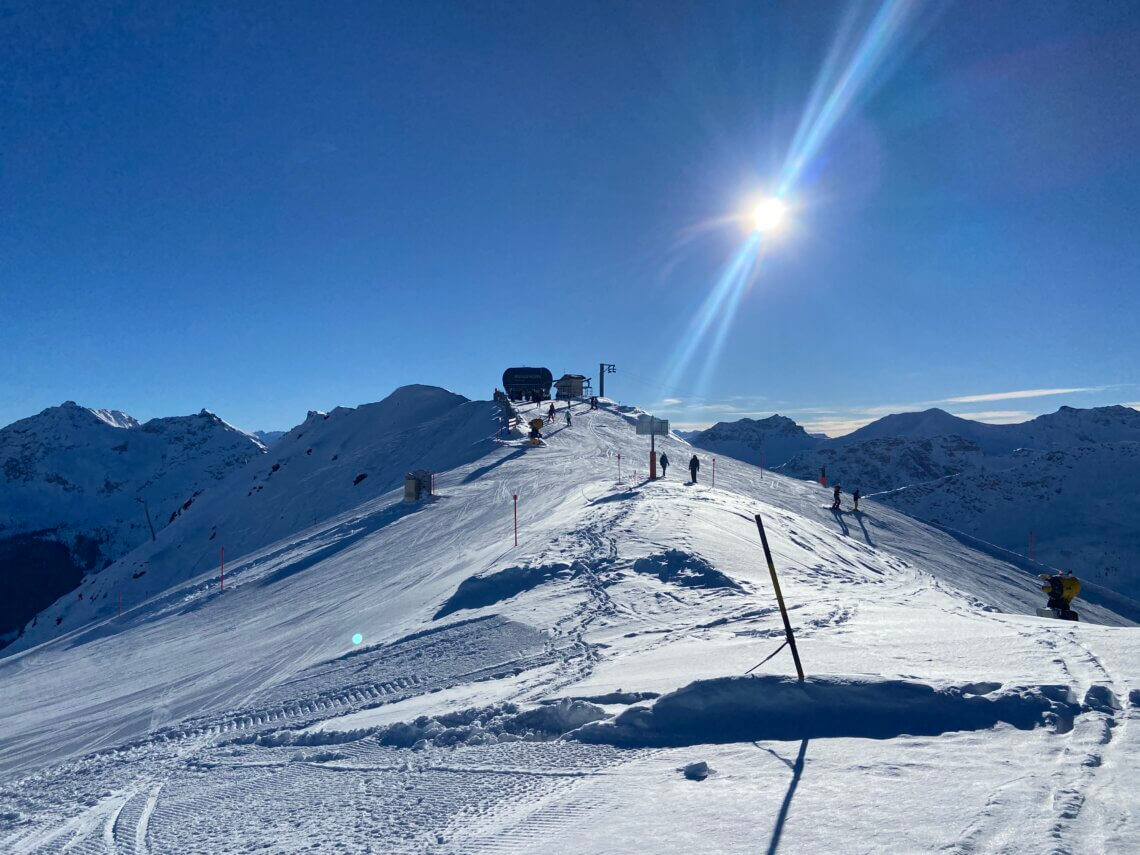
x=505, y=699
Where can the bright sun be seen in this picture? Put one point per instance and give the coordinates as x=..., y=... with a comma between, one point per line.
x=768, y=215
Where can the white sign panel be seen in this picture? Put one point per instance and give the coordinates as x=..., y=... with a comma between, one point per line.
x=647, y=425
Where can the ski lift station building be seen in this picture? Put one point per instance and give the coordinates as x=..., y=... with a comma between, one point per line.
x=571, y=386
x=527, y=384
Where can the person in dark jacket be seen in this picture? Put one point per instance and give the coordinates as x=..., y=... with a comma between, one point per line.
x=664, y=464
x=550, y=413
x=835, y=504
x=694, y=466
x=855, y=496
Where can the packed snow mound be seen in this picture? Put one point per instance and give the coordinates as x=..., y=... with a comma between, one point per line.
x=776, y=438
x=740, y=709
x=328, y=465
x=885, y=464
x=1081, y=505
x=74, y=480
x=486, y=590
x=685, y=569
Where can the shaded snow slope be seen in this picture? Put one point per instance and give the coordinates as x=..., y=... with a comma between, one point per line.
x=224, y=722
x=327, y=465
x=1081, y=505
x=72, y=478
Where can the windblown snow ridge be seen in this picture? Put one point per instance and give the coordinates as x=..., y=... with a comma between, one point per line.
x=742, y=709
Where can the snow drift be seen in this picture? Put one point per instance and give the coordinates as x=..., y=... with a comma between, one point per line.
x=739, y=709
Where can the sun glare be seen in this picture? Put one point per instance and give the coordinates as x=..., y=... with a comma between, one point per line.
x=768, y=215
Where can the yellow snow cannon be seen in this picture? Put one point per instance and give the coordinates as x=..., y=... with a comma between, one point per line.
x=1062, y=589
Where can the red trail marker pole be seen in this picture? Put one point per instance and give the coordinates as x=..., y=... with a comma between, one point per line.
x=223, y=565
x=516, y=497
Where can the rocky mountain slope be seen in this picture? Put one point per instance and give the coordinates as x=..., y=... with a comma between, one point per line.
x=775, y=438
x=1080, y=503
x=324, y=467
x=883, y=464
x=77, y=485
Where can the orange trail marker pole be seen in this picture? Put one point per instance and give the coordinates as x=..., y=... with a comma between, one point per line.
x=780, y=598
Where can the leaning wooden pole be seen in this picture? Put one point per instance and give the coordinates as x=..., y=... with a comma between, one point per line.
x=780, y=598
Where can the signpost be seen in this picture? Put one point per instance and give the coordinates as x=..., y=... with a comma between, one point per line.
x=647, y=424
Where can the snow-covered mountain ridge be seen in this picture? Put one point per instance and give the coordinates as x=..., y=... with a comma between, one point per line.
x=74, y=480
x=1080, y=504
x=1095, y=532
x=775, y=438
x=324, y=467
x=403, y=677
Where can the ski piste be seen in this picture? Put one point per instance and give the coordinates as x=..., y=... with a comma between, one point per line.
x=549, y=697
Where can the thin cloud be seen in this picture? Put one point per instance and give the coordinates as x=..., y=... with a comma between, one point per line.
x=998, y=417
x=1023, y=393
x=672, y=401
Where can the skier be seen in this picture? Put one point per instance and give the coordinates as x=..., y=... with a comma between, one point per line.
x=694, y=465
x=835, y=504
x=567, y=415
x=550, y=413
x=856, y=497
x=664, y=464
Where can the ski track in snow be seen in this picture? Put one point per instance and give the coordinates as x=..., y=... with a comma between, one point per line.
x=204, y=765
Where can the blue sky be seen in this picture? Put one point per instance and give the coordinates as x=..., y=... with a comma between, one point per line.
x=266, y=208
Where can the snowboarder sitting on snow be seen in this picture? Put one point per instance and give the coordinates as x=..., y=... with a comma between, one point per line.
x=835, y=504
x=664, y=464
x=694, y=465
x=855, y=496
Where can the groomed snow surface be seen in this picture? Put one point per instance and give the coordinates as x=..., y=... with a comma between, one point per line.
x=584, y=691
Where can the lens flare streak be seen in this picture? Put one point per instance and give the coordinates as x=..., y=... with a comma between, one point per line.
x=848, y=73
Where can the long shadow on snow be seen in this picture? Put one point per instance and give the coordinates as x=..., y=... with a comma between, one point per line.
x=367, y=526
x=797, y=773
x=475, y=474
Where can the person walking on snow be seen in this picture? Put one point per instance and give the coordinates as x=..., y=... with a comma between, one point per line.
x=567, y=415
x=694, y=465
x=550, y=413
x=855, y=495
x=835, y=504
x=664, y=464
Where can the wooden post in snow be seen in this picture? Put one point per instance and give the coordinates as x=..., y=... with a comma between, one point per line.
x=780, y=598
